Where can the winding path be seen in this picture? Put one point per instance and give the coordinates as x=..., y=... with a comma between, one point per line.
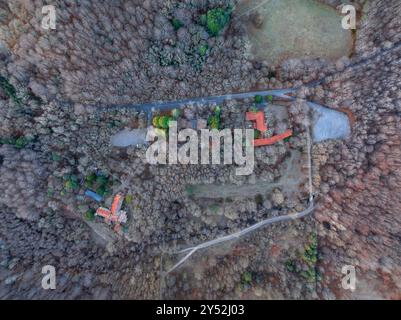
x=281, y=93
x=191, y=250
x=150, y=107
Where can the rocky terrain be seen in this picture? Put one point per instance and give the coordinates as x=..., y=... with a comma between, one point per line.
x=57, y=87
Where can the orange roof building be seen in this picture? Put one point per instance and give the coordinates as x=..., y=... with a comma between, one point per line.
x=117, y=203
x=272, y=140
x=259, y=118
x=107, y=215
x=260, y=124
x=115, y=215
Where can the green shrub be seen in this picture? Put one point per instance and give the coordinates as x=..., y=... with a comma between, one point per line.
x=128, y=199
x=9, y=90
x=247, y=277
x=203, y=50
x=102, y=180
x=290, y=265
x=258, y=99
x=310, y=253
x=309, y=257
x=19, y=143
x=214, y=120
x=155, y=121
x=90, y=180
x=177, y=24
x=56, y=157
x=102, y=190
x=101, y=183
x=309, y=275
x=216, y=20
x=254, y=109
x=269, y=98
x=89, y=215
x=71, y=183
x=164, y=122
